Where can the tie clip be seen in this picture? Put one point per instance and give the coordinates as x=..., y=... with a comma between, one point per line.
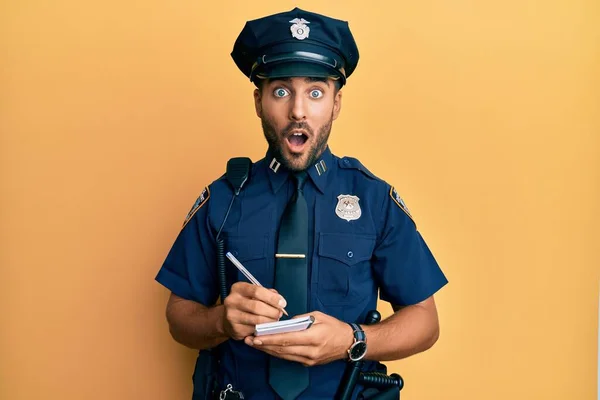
x=278, y=255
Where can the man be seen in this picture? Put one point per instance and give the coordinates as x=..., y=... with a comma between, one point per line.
x=322, y=234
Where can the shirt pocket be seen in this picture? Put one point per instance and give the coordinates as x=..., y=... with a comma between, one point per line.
x=345, y=275
x=251, y=252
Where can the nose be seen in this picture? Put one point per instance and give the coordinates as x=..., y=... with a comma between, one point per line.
x=298, y=111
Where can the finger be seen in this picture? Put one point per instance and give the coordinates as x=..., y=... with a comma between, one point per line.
x=263, y=294
x=241, y=287
x=242, y=317
x=302, y=338
x=245, y=296
x=318, y=317
x=282, y=307
x=259, y=308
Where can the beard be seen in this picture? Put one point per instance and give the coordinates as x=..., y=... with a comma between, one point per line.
x=293, y=162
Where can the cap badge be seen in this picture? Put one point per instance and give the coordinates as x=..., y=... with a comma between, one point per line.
x=300, y=30
x=347, y=207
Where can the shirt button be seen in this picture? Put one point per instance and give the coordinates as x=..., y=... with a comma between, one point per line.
x=346, y=161
x=350, y=254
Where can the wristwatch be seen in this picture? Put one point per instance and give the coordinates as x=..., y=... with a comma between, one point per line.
x=359, y=348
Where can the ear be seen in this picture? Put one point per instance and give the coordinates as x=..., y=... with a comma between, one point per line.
x=257, y=102
x=337, y=104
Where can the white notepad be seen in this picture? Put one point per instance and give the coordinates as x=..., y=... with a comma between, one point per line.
x=289, y=325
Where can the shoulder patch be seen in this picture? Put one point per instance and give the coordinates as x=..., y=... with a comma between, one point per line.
x=398, y=200
x=353, y=163
x=200, y=201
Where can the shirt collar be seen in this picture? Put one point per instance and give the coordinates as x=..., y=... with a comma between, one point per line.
x=318, y=172
x=277, y=173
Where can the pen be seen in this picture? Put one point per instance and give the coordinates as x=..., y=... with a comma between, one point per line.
x=247, y=273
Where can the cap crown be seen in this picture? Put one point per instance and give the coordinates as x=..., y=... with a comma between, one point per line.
x=292, y=32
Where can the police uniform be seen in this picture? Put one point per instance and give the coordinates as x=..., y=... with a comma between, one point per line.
x=362, y=238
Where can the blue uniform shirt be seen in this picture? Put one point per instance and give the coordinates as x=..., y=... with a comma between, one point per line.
x=362, y=239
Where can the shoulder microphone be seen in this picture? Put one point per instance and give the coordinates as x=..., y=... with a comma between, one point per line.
x=238, y=173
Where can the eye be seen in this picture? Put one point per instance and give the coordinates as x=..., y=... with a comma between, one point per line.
x=316, y=94
x=280, y=92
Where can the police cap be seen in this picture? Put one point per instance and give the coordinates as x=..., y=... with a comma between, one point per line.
x=296, y=43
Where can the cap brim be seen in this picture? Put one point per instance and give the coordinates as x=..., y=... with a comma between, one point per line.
x=297, y=69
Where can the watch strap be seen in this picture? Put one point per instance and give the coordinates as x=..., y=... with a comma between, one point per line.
x=359, y=334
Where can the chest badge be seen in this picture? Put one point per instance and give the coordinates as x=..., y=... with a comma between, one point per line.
x=300, y=30
x=347, y=207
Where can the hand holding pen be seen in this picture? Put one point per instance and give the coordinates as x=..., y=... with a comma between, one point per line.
x=247, y=273
x=248, y=305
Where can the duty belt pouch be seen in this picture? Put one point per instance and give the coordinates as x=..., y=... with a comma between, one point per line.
x=205, y=375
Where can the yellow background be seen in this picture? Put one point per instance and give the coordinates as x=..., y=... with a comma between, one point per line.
x=115, y=114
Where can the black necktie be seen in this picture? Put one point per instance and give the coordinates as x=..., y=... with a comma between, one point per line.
x=287, y=378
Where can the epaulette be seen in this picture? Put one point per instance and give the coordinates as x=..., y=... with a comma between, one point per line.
x=353, y=163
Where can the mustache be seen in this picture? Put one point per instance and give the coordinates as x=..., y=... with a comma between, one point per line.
x=298, y=126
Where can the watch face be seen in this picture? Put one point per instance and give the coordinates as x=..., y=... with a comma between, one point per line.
x=358, y=351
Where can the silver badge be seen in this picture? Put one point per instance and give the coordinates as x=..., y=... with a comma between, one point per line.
x=299, y=30
x=347, y=207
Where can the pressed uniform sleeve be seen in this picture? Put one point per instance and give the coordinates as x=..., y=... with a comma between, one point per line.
x=406, y=270
x=189, y=270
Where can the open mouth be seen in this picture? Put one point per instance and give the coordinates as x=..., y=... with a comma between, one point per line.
x=296, y=141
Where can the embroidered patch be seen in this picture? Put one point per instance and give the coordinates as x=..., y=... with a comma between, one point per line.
x=398, y=200
x=200, y=201
x=348, y=208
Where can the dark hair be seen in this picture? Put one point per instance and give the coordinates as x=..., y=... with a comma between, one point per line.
x=337, y=84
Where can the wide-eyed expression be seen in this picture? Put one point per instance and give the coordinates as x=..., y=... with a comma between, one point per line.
x=296, y=116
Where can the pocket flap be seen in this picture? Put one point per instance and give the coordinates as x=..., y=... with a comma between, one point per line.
x=347, y=248
x=246, y=248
